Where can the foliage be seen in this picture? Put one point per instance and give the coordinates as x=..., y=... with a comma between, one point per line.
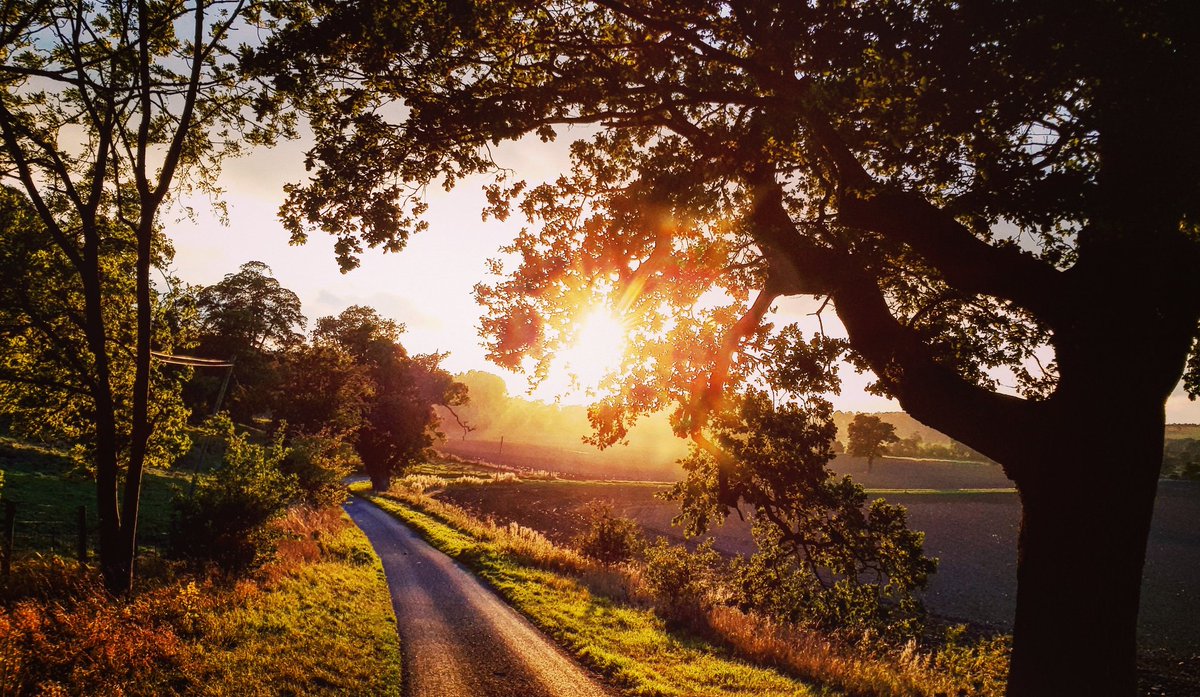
x=47, y=379
x=396, y=423
x=824, y=555
x=225, y=520
x=317, y=625
x=913, y=446
x=608, y=538
x=1181, y=458
x=319, y=463
x=869, y=436
x=84, y=642
x=684, y=585
x=249, y=318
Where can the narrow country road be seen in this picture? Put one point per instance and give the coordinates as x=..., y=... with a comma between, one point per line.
x=456, y=636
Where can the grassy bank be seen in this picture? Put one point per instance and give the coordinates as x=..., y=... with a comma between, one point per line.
x=631, y=646
x=315, y=620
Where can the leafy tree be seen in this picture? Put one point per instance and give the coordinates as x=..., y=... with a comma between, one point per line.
x=397, y=423
x=106, y=111
x=46, y=378
x=249, y=318
x=225, y=520
x=825, y=556
x=974, y=188
x=869, y=436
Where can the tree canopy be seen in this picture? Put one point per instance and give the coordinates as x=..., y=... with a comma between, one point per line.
x=976, y=189
x=869, y=436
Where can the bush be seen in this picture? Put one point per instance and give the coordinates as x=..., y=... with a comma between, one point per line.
x=608, y=538
x=320, y=463
x=684, y=585
x=225, y=521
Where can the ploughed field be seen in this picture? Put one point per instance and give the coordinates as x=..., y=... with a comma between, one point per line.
x=968, y=511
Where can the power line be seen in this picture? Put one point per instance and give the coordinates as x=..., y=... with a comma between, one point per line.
x=191, y=361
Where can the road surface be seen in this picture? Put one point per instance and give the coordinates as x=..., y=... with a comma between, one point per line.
x=456, y=636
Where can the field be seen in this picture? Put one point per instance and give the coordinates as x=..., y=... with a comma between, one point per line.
x=969, y=514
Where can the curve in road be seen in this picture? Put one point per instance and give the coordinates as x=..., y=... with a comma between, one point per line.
x=457, y=637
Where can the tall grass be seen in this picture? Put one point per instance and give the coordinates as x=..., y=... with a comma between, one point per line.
x=975, y=670
x=316, y=620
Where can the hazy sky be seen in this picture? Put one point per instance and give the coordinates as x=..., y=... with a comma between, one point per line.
x=428, y=285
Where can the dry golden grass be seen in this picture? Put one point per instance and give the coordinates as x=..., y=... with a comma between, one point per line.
x=973, y=670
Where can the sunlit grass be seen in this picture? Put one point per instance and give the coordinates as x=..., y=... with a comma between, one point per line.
x=629, y=645
x=317, y=620
x=321, y=628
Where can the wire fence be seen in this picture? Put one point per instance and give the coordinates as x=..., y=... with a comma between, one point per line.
x=43, y=528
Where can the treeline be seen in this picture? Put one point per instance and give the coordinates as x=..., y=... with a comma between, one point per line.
x=349, y=385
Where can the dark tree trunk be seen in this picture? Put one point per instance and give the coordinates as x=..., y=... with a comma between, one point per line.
x=380, y=481
x=1087, y=504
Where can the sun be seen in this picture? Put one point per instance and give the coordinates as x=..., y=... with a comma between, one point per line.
x=598, y=349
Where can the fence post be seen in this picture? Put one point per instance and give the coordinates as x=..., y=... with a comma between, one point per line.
x=10, y=529
x=81, y=547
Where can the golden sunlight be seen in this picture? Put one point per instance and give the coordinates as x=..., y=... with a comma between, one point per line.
x=597, y=350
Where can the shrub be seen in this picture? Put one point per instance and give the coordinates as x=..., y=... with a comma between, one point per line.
x=684, y=585
x=607, y=538
x=70, y=637
x=225, y=521
x=320, y=463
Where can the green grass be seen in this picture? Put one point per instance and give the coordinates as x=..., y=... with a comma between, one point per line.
x=326, y=628
x=630, y=646
x=48, y=492
x=316, y=624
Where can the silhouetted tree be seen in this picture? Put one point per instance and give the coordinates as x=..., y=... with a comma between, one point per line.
x=396, y=424
x=969, y=186
x=247, y=317
x=869, y=436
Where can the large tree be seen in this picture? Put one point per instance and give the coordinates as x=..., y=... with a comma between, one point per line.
x=985, y=193
x=107, y=111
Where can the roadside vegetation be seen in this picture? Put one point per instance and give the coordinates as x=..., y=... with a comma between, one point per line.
x=312, y=616
x=658, y=619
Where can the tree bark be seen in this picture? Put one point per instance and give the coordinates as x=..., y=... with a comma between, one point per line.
x=1087, y=505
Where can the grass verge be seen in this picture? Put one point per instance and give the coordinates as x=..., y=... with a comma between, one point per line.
x=318, y=622
x=632, y=647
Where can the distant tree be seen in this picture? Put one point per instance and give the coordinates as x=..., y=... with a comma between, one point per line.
x=107, y=110
x=489, y=400
x=247, y=317
x=397, y=423
x=974, y=188
x=869, y=436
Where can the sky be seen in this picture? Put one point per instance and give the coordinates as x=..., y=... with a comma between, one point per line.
x=428, y=285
